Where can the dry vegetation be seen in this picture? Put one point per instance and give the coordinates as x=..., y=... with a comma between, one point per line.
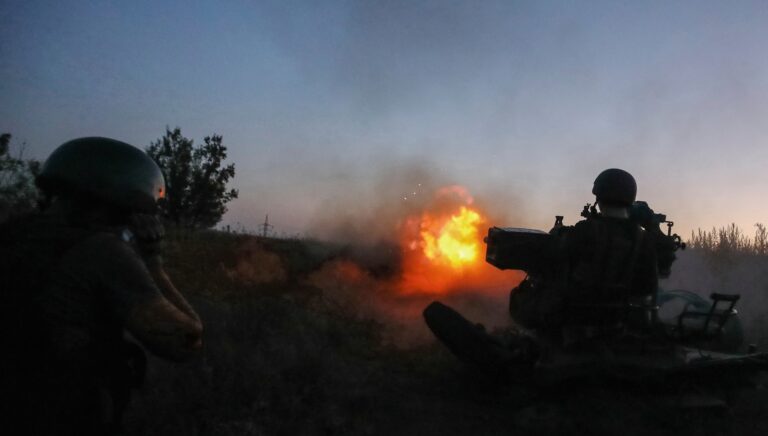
x=284, y=357
x=731, y=240
x=728, y=260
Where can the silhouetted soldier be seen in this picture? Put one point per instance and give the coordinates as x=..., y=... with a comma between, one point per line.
x=602, y=276
x=78, y=276
x=590, y=285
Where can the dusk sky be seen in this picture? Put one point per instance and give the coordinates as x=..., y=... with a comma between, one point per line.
x=322, y=103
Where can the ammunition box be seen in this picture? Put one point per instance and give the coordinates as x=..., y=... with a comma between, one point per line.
x=515, y=248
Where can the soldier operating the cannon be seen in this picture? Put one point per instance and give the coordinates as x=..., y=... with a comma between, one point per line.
x=587, y=283
x=595, y=271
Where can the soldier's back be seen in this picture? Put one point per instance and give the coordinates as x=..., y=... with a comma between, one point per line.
x=44, y=392
x=612, y=262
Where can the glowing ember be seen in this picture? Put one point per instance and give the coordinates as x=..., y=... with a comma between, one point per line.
x=455, y=240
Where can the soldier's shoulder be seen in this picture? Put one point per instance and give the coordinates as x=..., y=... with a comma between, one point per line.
x=564, y=231
x=589, y=225
x=103, y=242
x=584, y=222
x=584, y=225
x=38, y=233
x=105, y=257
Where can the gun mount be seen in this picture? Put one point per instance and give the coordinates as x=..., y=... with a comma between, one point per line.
x=527, y=249
x=516, y=248
x=682, y=344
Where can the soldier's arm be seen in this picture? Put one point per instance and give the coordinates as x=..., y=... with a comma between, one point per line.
x=168, y=289
x=165, y=330
x=146, y=302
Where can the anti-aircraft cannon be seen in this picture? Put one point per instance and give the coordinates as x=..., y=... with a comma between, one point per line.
x=701, y=343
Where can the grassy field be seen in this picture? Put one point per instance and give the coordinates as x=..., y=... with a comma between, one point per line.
x=288, y=351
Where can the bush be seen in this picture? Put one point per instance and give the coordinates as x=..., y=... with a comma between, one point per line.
x=18, y=194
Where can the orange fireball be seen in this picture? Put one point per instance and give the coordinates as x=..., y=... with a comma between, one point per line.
x=454, y=241
x=443, y=249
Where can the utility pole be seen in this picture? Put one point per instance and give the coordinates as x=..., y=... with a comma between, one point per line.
x=265, y=227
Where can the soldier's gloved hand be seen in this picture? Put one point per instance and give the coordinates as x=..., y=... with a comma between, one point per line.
x=148, y=234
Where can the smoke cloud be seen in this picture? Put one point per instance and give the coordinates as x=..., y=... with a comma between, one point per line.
x=377, y=222
x=373, y=210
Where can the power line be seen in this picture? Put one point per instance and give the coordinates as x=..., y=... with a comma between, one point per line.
x=265, y=227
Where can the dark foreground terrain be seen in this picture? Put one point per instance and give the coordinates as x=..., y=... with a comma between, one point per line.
x=287, y=355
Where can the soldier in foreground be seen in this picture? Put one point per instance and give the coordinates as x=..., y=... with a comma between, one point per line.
x=76, y=278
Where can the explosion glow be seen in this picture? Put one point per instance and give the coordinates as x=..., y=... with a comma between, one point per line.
x=443, y=249
x=453, y=241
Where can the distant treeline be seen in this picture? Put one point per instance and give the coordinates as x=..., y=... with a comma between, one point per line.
x=731, y=239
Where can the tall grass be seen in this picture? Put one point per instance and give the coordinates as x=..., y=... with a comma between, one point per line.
x=731, y=240
x=729, y=260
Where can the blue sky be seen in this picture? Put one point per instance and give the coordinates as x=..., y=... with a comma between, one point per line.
x=322, y=103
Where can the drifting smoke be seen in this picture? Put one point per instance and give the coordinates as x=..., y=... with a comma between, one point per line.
x=426, y=234
x=356, y=291
x=373, y=211
x=257, y=266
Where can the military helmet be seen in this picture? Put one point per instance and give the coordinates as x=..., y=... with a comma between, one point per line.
x=109, y=170
x=615, y=186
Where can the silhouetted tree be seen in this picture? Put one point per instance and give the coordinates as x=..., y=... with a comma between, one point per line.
x=18, y=194
x=196, y=191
